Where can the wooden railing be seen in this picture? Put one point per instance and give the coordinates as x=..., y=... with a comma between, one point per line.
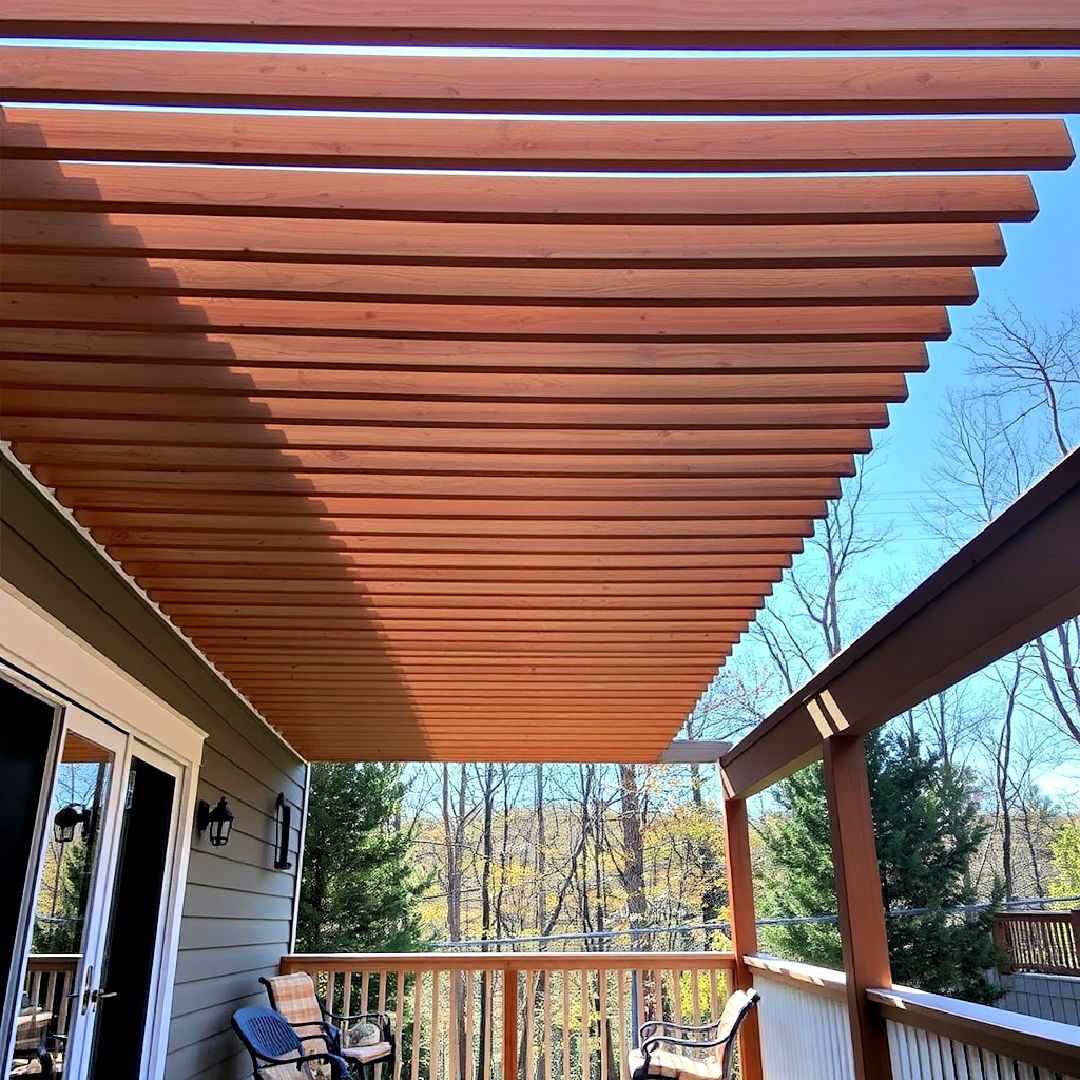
x=49, y=986
x=531, y=1016
x=944, y=1039
x=1044, y=941
x=803, y=1021
x=805, y=1034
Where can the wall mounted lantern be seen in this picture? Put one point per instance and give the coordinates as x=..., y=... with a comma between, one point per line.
x=218, y=820
x=282, y=828
x=67, y=819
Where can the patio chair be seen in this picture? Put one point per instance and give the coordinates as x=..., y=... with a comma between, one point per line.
x=294, y=997
x=705, y=1050
x=277, y=1052
x=32, y=1036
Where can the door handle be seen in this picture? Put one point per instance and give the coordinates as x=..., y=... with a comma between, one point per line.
x=101, y=995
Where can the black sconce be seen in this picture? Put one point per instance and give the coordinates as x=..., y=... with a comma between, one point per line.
x=66, y=820
x=218, y=820
x=282, y=826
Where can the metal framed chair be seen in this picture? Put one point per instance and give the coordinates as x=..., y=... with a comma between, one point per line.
x=294, y=997
x=277, y=1052
x=702, y=1052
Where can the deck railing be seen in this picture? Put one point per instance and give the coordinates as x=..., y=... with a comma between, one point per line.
x=49, y=986
x=805, y=1034
x=1043, y=941
x=533, y=1016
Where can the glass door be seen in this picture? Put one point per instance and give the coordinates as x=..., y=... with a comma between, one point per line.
x=91, y=996
x=61, y=991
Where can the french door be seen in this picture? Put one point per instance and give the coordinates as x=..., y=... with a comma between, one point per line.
x=94, y=945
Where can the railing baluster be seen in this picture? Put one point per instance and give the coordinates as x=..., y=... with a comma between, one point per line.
x=565, y=975
x=602, y=1025
x=417, y=1029
x=436, y=1042
x=399, y=1016
x=510, y=1024
x=586, y=1050
x=453, y=1027
x=470, y=1008
x=548, y=1039
x=676, y=994
x=486, y=978
x=624, y=1051
x=531, y=982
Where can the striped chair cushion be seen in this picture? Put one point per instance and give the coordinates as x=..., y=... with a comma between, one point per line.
x=674, y=1066
x=294, y=997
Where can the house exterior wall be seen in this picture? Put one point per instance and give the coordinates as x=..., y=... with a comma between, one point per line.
x=238, y=910
x=1051, y=997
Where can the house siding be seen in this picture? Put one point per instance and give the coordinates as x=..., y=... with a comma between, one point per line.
x=238, y=910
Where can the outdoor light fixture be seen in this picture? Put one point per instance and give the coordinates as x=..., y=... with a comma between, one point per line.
x=67, y=818
x=218, y=820
x=282, y=826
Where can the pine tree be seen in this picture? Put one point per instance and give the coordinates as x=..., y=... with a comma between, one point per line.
x=359, y=892
x=927, y=830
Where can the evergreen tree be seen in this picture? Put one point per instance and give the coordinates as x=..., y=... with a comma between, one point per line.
x=927, y=830
x=359, y=891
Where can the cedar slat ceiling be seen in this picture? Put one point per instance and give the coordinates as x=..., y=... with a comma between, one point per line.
x=459, y=465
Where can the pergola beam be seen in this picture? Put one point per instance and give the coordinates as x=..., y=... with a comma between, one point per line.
x=736, y=24
x=1017, y=579
x=577, y=84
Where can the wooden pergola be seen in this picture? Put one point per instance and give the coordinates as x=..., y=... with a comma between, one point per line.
x=487, y=438
x=483, y=433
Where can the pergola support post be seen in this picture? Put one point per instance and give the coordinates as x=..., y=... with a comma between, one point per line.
x=743, y=924
x=859, y=901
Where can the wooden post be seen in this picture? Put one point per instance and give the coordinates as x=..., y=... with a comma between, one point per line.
x=743, y=923
x=859, y=902
x=510, y=1024
x=1074, y=922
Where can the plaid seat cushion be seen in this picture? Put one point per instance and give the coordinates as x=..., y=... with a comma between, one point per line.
x=364, y=1054
x=294, y=997
x=674, y=1066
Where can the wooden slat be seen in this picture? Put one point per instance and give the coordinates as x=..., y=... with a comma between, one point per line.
x=322, y=351
x=106, y=431
x=266, y=192
x=449, y=385
x=782, y=24
x=156, y=497
x=426, y=83
x=688, y=568
x=497, y=608
x=442, y=284
x=623, y=145
x=316, y=484
x=300, y=462
x=649, y=637
x=592, y=592
x=748, y=543
x=257, y=409
x=194, y=314
x=472, y=243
